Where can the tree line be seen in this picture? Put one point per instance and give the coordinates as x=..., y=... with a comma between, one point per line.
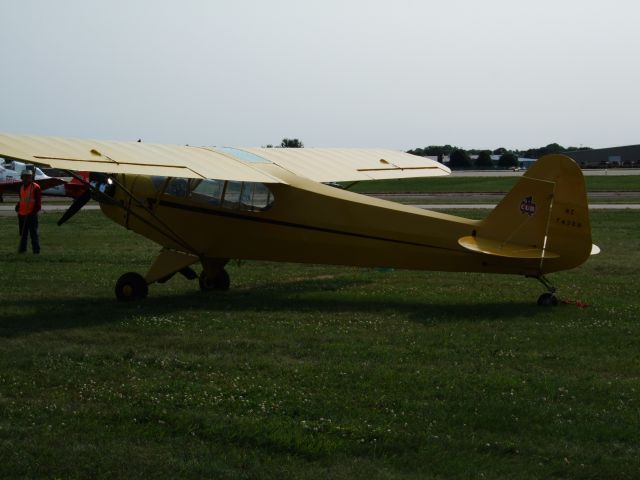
x=288, y=143
x=460, y=158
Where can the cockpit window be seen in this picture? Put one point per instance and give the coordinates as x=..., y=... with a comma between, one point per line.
x=178, y=187
x=233, y=195
x=158, y=182
x=256, y=196
x=243, y=155
x=209, y=191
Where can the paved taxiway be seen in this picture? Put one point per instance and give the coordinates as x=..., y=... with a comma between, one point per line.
x=489, y=206
x=8, y=210
x=595, y=172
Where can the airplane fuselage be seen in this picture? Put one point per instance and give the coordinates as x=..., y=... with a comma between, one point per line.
x=305, y=222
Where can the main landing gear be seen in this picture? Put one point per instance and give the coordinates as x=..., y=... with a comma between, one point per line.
x=547, y=299
x=132, y=286
x=219, y=281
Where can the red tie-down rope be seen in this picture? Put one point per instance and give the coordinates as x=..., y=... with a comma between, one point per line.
x=577, y=303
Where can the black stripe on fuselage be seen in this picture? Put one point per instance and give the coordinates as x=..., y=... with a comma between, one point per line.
x=237, y=216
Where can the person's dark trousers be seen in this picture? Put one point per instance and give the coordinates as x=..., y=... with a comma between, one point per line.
x=28, y=226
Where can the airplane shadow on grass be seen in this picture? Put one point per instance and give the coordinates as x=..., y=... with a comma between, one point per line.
x=337, y=296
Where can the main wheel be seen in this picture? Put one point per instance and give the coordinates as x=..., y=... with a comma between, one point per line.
x=220, y=282
x=131, y=286
x=547, y=300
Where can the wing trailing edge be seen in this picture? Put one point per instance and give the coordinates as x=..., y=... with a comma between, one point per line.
x=225, y=163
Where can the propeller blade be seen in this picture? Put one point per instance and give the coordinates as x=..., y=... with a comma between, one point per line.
x=77, y=204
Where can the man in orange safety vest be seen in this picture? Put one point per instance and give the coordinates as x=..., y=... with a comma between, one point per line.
x=28, y=207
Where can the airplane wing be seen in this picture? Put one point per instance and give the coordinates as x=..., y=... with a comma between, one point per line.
x=130, y=157
x=10, y=186
x=241, y=164
x=14, y=186
x=351, y=164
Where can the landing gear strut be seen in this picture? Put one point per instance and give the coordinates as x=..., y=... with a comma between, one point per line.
x=220, y=281
x=547, y=299
x=131, y=286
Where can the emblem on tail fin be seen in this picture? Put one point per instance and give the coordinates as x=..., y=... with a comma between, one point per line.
x=528, y=206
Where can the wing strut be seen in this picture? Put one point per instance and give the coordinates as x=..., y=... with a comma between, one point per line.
x=168, y=231
x=97, y=194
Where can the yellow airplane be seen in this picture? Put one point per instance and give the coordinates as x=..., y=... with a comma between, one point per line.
x=209, y=205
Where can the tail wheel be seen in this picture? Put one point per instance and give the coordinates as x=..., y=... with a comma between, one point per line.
x=547, y=300
x=220, y=281
x=131, y=286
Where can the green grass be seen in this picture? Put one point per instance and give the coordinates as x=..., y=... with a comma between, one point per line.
x=313, y=371
x=485, y=184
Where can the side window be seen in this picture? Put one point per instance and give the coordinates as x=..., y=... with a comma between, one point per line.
x=158, y=182
x=209, y=191
x=232, y=194
x=248, y=196
x=178, y=187
x=255, y=197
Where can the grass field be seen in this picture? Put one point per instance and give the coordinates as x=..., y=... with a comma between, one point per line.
x=485, y=184
x=313, y=371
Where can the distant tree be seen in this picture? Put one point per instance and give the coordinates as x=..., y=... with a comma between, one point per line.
x=476, y=151
x=459, y=158
x=539, y=152
x=508, y=160
x=484, y=159
x=439, y=151
x=432, y=150
x=553, y=148
x=291, y=143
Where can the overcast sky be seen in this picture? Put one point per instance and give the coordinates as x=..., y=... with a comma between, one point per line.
x=344, y=73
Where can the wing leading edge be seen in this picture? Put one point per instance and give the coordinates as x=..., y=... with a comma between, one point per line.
x=351, y=164
x=130, y=157
x=241, y=164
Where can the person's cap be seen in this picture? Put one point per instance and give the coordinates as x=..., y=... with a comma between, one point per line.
x=26, y=173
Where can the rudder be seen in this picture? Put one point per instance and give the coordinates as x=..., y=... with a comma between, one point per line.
x=545, y=216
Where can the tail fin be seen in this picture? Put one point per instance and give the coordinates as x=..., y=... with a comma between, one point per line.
x=544, y=217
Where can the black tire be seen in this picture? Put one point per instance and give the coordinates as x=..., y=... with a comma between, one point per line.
x=220, y=282
x=131, y=286
x=547, y=300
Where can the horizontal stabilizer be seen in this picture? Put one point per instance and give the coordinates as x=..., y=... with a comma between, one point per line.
x=504, y=249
